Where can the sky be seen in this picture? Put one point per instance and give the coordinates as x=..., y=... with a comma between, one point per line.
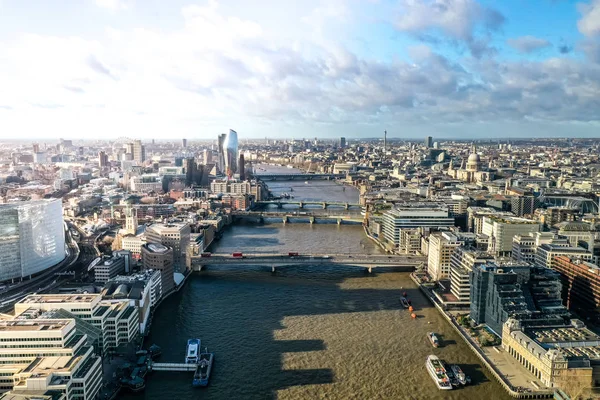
x=172, y=69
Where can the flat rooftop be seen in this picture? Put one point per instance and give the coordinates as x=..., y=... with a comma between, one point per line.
x=59, y=298
x=33, y=325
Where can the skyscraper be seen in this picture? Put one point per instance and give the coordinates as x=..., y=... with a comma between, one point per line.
x=384, y=141
x=342, y=142
x=242, y=168
x=139, y=151
x=230, y=150
x=184, y=143
x=429, y=142
x=221, y=154
x=102, y=159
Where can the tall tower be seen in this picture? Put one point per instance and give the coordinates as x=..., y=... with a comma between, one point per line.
x=139, y=151
x=230, y=152
x=385, y=141
x=221, y=159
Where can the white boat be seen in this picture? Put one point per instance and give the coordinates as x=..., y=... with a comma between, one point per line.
x=193, y=350
x=459, y=374
x=306, y=182
x=438, y=372
x=433, y=339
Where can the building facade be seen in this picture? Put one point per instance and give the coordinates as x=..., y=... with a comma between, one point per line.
x=156, y=256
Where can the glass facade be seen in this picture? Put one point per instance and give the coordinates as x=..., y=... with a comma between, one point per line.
x=32, y=237
x=230, y=149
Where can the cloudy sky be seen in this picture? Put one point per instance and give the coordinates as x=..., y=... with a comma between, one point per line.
x=286, y=68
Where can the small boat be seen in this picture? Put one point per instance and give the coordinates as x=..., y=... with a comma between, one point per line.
x=193, y=348
x=202, y=374
x=460, y=375
x=404, y=302
x=155, y=351
x=438, y=372
x=433, y=339
x=134, y=384
x=306, y=182
x=451, y=377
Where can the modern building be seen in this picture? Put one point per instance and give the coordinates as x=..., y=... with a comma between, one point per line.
x=230, y=152
x=175, y=236
x=501, y=231
x=32, y=237
x=546, y=254
x=108, y=268
x=102, y=159
x=441, y=247
x=142, y=291
x=462, y=262
x=581, y=286
x=523, y=205
x=39, y=356
x=414, y=215
x=138, y=151
x=508, y=290
x=428, y=142
x=525, y=246
x=159, y=257
x=146, y=183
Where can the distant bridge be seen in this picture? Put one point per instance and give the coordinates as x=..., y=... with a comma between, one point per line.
x=299, y=217
x=367, y=261
x=304, y=204
x=298, y=176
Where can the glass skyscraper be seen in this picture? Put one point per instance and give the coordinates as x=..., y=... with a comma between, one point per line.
x=32, y=237
x=230, y=150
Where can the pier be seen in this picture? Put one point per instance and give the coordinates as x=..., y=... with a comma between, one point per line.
x=175, y=367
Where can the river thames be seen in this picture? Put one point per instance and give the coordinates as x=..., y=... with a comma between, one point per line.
x=306, y=332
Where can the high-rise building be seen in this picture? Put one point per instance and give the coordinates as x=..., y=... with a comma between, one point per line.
x=32, y=237
x=242, y=168
x=184, y=143
x=159, y=257
x=131, y=220
x=221, y=150
x=414, y=215
x=462, y=263
x=581, y=286
x=176, y=236
x=102, y=159
x=139, y=151
x=384, y=142
x=342, y=142
x=230, y=149
x=429, y=142
x=190, y=171
x=441, y=247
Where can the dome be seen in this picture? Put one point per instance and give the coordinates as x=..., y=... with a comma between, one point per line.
x=474, y=158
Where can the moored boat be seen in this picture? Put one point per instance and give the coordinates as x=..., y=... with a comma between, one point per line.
x=437, y=372
x=202, y=374
x=193, y=350
x=404, y=302
x=459, y=374
x=433, y=339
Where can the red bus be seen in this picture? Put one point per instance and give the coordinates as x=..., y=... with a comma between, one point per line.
x=292, y=253
x=237, y=255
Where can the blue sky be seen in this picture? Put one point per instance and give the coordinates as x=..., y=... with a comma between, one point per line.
x=276, y=68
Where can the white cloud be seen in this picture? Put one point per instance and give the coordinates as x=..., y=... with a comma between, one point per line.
x=528, y=44
x=114, y=4
x=589, y=24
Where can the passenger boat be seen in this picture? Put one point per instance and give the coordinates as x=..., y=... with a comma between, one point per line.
x=437, y=372
x=451, y=376
x=433, y=339
x=193, y=349
x=460, y=375
x=202, y=374
x=404, y=302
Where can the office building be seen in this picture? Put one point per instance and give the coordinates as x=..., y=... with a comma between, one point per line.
x=501, y=231
x=545, y=255
x=184, y=143
x=32, y=237
x=156, y=256
x=523, y=205
x=40, y=355
x=525, y=246
x=242, y=168
x=139, y=151
x=175, y=235
x=146, y=183
x=581, y=286
x=230, y=153
x=142, y=291
x=221, y=153
x=414, y=215
x=441, y=247
x=102, y=159
x=118, y=323
x=508, y=290
x=462, y=262
x=428, y=142
x=110, y=267
x=342, y=142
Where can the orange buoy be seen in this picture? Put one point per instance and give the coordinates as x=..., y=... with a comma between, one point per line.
x=413, y=315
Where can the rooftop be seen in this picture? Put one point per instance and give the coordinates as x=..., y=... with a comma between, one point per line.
x=59, y=298
x=33, y=325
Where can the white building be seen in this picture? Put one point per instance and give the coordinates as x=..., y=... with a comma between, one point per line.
x=414, y=215
x=32, y=237
x=441, y=247
x=175, y=235
x=502, y=230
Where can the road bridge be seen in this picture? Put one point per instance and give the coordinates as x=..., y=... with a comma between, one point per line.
x=307, y=204
x=298, y=217
x=298, y=177
x=366, y=261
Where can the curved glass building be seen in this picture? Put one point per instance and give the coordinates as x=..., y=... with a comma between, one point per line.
x=32, y=237
x=230, y=151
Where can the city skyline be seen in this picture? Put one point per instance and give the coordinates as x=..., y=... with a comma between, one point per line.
x=445, y=68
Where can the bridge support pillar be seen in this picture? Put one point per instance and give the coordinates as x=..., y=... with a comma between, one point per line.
x=324, y=205
x=370, y=270
x=300, y=205
x=339, y=221
x=272, y=269
x=312, y=220
x=285, y=219
x=346, y=206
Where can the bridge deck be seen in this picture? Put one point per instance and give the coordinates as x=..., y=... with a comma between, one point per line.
x=173, y=367
x=371, y=260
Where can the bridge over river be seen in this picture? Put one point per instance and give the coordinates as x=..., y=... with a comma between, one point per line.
x=366, y=261
x=297, y=176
